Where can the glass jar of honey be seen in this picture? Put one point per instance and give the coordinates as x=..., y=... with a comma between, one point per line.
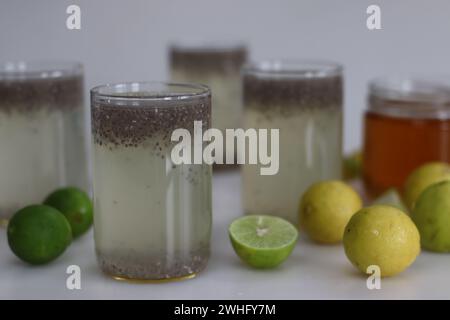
x=407, y=124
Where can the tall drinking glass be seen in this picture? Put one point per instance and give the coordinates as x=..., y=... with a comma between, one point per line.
x=42, y=131
x=152, y=218
x=304, y=101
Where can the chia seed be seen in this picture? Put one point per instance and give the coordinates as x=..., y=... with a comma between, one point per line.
x=287, y=96
x=127, y=126
x=28, y=95
x=142, y=266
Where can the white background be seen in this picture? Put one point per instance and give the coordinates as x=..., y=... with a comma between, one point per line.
x=126, y=40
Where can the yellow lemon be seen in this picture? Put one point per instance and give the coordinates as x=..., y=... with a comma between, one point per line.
x=325, y=209
x=381, y=236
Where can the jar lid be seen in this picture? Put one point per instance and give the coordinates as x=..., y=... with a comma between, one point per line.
x=420, y=97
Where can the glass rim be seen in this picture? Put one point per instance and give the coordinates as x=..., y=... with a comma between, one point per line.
x=39, y=69
x=293, y=68
x=433, y=90
x=410, y=97
x=123, y=92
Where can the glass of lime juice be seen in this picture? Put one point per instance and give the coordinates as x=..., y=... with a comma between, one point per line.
x=152, y=218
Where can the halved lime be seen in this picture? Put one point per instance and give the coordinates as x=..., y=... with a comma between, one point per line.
x=391, y=197
x=262, y=241
x=38, y=234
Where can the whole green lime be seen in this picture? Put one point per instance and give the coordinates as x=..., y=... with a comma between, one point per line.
x=38, y=234
x=75, y=205
x=325, y=209
x=352, y=165
x=262, y=241
x=431, y=215
x=423, y=177
x=382, y=236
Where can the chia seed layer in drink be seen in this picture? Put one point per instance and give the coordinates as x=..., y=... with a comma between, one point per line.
x=30, y=95
x=208, y=59
x=289, y=95
x=130, y=126
x=141, y=267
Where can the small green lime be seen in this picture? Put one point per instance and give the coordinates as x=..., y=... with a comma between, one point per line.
x=391, y=197
x=75, y=205
x=431, y=215
x=38, y=234
x=262, y=241
x=352, y=165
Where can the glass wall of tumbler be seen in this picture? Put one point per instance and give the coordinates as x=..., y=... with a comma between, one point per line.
x=304, y=101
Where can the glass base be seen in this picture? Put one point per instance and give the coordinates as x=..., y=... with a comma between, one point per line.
x=149, y=281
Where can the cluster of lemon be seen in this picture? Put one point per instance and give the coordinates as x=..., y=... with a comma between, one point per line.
x=387, y=234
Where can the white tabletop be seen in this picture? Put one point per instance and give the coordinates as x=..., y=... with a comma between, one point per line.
x=312, y=272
